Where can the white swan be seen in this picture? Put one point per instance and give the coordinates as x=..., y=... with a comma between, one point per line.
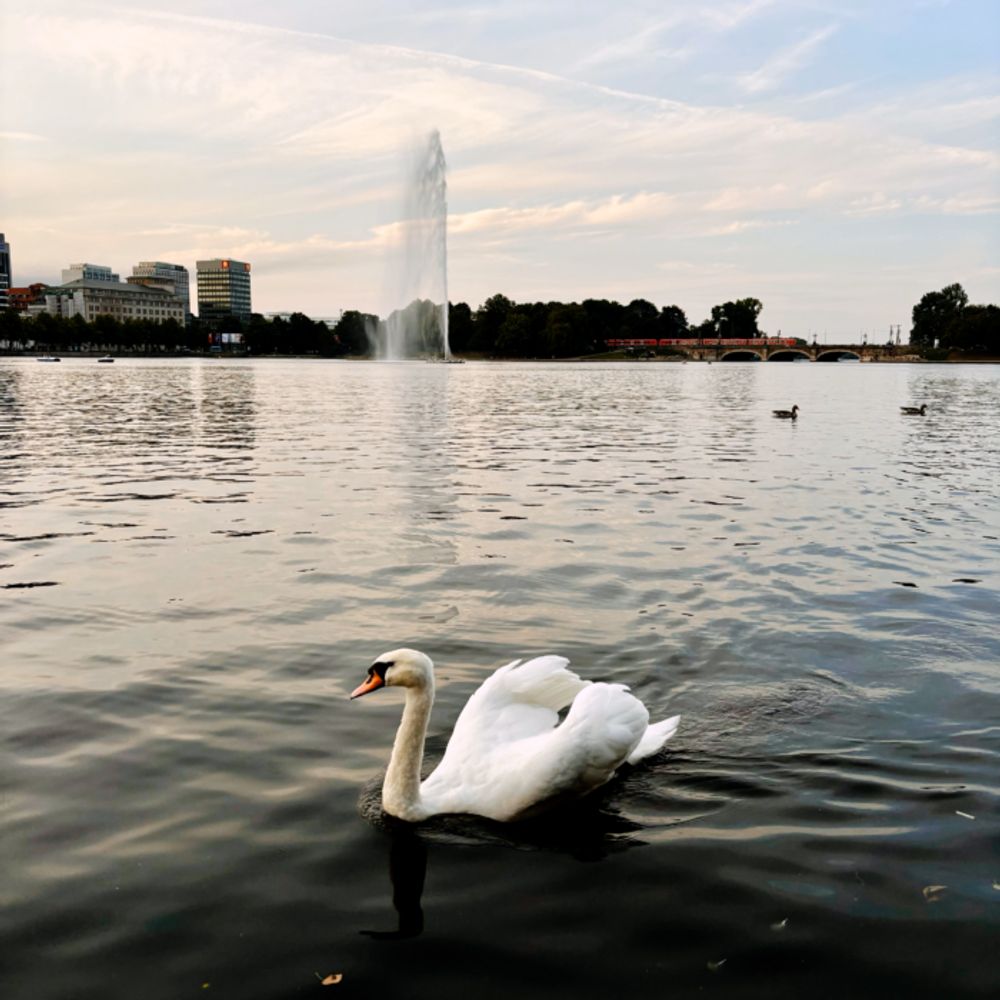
x=508, y=754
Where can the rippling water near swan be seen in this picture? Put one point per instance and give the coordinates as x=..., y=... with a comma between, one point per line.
x=200, y=558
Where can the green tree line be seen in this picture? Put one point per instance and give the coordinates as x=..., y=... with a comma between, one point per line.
x=945, y=320
x=296, y=335
x=499, y=328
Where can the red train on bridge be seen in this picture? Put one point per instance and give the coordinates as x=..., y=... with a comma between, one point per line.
x=703, y=342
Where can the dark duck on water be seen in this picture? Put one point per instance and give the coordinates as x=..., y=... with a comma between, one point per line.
x=791, y=414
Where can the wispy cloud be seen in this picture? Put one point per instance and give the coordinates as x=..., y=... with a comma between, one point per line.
x=743, y=225
x=637, y=43
x=786, y=62
x=22, y=137
x=647, y=40
x=283, y=147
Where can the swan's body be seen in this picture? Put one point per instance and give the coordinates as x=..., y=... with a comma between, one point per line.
x=509, y=755
x=792, y=414
x=914, y=411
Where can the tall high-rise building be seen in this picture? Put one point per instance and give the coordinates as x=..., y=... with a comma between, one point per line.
x=5, y=273
x=223, y=290
x=171, y=278
x=88, y=272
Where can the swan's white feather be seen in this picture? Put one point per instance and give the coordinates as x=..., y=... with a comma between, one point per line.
x=508, y=753
x=654, y=738
x=516, y=701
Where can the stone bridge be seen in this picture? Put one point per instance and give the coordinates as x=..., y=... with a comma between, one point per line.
x=764, y=351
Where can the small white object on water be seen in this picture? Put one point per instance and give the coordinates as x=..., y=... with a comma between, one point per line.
x=715, y=966
x=958, y=812
x=780, y=925
x=932, y=893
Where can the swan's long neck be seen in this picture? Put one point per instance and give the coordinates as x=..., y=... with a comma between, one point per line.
x=401, y=789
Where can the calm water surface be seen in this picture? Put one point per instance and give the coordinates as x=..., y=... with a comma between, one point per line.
x=199, y=559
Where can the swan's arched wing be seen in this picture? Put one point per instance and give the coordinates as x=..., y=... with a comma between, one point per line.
x=518, y=700
x=497, y=774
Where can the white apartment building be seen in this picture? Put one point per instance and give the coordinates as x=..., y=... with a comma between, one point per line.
x=173, y=278
x=119, y=300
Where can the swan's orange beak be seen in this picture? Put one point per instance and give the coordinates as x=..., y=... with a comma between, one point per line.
x=372, y=684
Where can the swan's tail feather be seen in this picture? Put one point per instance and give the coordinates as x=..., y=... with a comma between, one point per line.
x=545, y=681
x=654, y=738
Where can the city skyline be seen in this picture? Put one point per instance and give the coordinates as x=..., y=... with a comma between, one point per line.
x=834, y=163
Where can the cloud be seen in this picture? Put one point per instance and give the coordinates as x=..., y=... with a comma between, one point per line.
x=616, y=212
x=784, y=63
x=742, y=225
x=637, y=43
x=693, y=19
x=22, y=137
x=878, y=203
x=205, y=138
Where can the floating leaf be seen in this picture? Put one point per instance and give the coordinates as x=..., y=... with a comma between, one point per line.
x=715, y=966
x=932, y=893
x=332, y=979
x=958, y=812
x=780, y=925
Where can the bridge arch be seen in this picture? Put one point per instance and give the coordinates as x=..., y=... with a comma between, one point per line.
x=741, y=355
x=838, y=354
x=790, y=354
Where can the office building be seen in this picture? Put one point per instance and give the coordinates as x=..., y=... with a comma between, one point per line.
x=172, y=278
x=5, y=272
x=88, y=272
x=119, y=300
x=223, y=290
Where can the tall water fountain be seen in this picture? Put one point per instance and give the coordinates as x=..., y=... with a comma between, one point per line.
x=418, y=326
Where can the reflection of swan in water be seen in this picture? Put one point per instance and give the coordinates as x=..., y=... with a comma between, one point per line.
x=407, y=869
x=508, y=755
x=588, y=831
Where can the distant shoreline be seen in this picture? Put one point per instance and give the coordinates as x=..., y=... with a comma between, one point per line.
x=583, y=359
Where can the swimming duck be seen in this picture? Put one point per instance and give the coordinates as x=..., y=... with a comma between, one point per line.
x=509, y=755
x=914, y=411
x=791, y=414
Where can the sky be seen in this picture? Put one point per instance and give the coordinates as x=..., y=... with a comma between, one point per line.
x=835, y=159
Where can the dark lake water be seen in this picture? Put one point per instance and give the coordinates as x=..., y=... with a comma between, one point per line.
x=199, y=559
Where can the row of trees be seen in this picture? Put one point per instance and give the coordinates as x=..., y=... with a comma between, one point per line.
x=500, y=327
x=503, y=328
x=296, y=335
x=945, y=320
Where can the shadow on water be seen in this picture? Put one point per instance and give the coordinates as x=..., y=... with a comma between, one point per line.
x=587, y=831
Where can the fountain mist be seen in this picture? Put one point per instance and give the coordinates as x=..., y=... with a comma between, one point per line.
x=419, y=325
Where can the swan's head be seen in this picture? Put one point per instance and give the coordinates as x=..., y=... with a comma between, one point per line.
x=399, y=668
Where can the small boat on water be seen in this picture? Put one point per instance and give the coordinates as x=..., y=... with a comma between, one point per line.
x=48, y=357
x=106, y=360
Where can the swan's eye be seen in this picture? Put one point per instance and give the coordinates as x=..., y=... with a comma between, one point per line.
x=379, y=668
